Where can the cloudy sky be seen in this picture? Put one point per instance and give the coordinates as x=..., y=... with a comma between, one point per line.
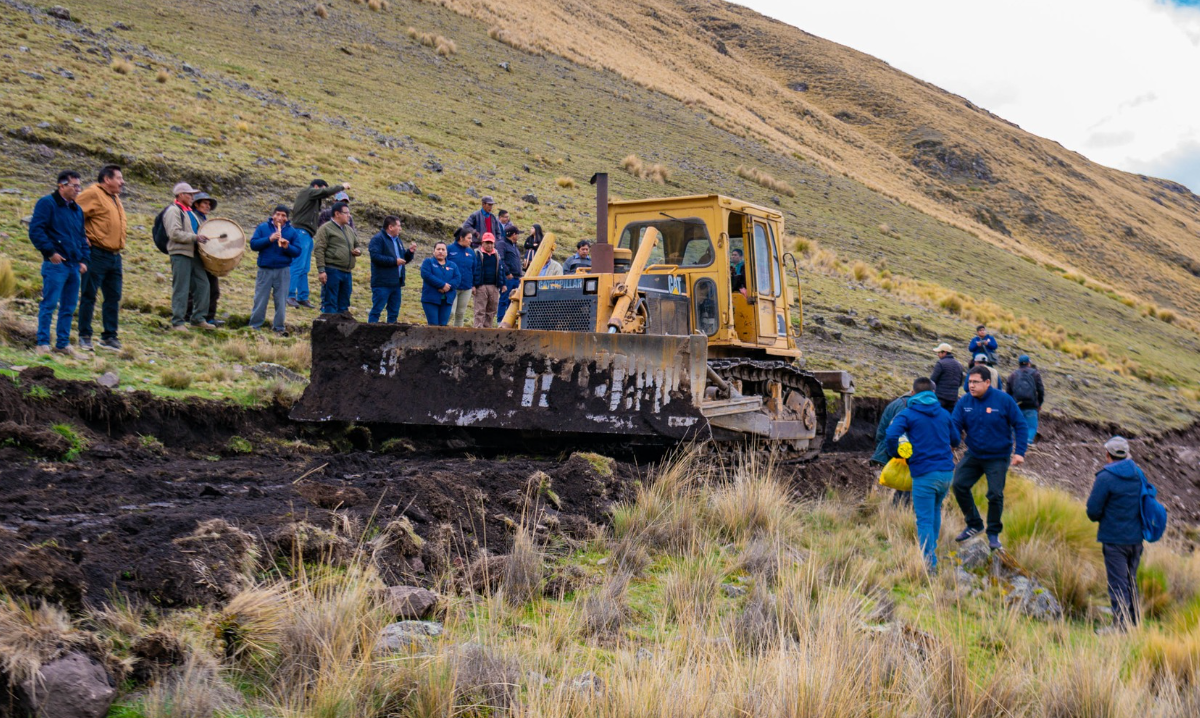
x=1115, y=80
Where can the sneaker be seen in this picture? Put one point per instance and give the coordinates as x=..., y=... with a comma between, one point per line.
x=179, y=328
x=966, y=534
x=113, y=344
x=291, y=302
x=67, y=351
x=85, y=344
x=994, y=543
x=204, y=325
x=281, y=332
x=43, y=350
x=217, y=322
x=306, y=304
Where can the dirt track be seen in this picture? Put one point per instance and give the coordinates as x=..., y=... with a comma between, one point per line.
x=179, y=524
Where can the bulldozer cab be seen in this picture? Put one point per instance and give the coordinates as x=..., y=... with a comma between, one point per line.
x=718, y=261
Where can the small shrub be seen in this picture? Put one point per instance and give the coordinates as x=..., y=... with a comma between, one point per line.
x=151, y=443
x=565, y=182
x=8, y=279
x=239, y=445
x=321, y=11
x=1166, y=315
x=951, y=303
x=375, y=6
x=445, y=47
x=655, y=172
x=521, y=580
x=122, y=67
x=860, y=271
x=176, y=379
x=162, y=76
x=412, y=33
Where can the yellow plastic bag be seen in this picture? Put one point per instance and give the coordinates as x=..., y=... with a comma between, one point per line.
x=896, y=475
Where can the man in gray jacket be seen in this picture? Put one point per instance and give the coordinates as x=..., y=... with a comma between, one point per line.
x=187, y=271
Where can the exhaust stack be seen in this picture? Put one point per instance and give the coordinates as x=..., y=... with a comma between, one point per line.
x=602, y=251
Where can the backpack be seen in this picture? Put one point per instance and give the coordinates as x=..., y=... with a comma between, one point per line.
x=1154, y=514
x=1024, y=387
x=159, y=232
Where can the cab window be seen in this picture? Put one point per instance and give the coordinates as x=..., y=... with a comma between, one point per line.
x=683, y=242
x=762, y=261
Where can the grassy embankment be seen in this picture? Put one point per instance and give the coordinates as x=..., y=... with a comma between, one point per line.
x=252, y=129
x=710, y=595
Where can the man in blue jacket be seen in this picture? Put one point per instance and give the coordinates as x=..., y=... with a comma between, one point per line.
x=463, y=256
x=929, y=430
x=56, y=231
x=389, y=258
x=277, y=244
x=881, y=456
x=507, y=247
x=983, y=343
x=1116, y=503
x=992, y=423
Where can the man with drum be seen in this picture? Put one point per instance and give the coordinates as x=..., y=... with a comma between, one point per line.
x=187, y=271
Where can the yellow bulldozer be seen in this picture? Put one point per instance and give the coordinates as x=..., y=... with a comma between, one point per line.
x=680, y=330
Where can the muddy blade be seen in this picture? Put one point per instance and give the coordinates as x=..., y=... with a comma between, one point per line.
x=511, y=379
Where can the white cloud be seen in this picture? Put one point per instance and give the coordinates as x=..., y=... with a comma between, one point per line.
x=1181, y=164
x=1113, y=79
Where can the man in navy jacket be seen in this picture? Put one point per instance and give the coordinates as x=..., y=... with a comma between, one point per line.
x=1116, y=503
x=992, y=423
x=388, y=260
x=56, y=231
x=983, y=343
x=277, y=243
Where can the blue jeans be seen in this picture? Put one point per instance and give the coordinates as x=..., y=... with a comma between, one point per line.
x=1031, y=418
x=382, y=297
x=966, y=475
x=506, y=298
x=60, y=291
x=438, y=315
x=298, y=288
x=104, y=274
x=928, y=492
x=335, y=295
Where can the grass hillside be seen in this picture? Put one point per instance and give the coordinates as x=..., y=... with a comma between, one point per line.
x=250, y=101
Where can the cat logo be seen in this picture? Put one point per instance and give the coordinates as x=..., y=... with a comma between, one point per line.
x=675, y=284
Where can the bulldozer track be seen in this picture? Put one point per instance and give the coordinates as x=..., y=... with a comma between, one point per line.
x=764, y=371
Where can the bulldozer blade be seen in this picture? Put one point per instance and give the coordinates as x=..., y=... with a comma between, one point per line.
x=547, y=381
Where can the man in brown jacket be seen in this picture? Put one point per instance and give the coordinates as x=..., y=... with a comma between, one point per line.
x=105, y=225
x=187, y=270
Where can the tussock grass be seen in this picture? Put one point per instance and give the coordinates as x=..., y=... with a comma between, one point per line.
x=121, y=66
x=565, y=182
x=765, y=180
x=31, y=636
x=516, y=42
x=176, y=379
x=321, y=11
x=521, y=580
x=657, y=173
x=8, y=279
x=162, y=76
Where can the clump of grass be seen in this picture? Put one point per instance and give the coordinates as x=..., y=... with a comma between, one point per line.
x=516, y=42
x=603, y=611
x=176, y=379
x=565, y=182
x=32, y=636
x=1168, y=316
x=521, y=579
x=76, y=440
x=654, y=172
x=239, y=445
x=151, y=443
x=765, y=180
x=121, y=66
x=666, y=515
x=162, y=76
x=321, y=11
x=446, y=47
x=861, y=270
x=753, y=505
x=194, y=690
x=8, y=279
x=951, y=303
x=690, y=591
x=249, y=625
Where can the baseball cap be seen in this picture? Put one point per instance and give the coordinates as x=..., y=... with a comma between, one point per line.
x=183, y=188
x=1023, y=359
x=341, y=197
x=1118, y=447
x=943, y=347
x=487, y=199
x=488, y=237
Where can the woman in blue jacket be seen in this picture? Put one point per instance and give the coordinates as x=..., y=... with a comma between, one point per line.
x=439, y=278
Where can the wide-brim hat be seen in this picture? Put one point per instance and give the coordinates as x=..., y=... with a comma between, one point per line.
x=204, y=195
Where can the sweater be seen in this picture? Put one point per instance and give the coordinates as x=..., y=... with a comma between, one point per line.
x=103, y=218
x=307, y=206
x=270, y=254
x=181, y=224
x=489, y=270
x=929, y=430
x=57, y=228
x=332, y=247
x=1116, y=503
x=991, y=423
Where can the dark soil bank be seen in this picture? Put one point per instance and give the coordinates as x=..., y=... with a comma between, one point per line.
x=224, y=493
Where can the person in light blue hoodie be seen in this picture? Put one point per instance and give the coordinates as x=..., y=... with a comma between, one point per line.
x=928, y=428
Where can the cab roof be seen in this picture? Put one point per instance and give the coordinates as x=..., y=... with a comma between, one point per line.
x=719, y=200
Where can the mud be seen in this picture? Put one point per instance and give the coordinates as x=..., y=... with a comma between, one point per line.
x=193, y=521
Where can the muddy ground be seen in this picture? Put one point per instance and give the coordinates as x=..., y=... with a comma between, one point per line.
x=218, y=495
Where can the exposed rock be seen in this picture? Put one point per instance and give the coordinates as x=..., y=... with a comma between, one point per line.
x=798, y=86
x=472, y=192
x=733, y=591
x=434, y=166
x=33, y=75
x=408, y=637
x=44, y=152
x=975, y=556
x=1033, y=600
x=836, y=335
x=845, y=320
x=645, y=654
x=587, y=683
x=118, y=25
x=410, y=602
x=268, y=370
x=109, y=379
x=59, y=12
x=74, y=686
x=530, y=198
x=874, y=324
x=405, y=187
x=505, y=66
x=434, y=197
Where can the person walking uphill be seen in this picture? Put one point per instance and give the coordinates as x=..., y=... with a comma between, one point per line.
x=305, y=212
x=930, y=431
x=439, y=278
x=992, y=423
x=947, y=376
x=275, y=242
x=335, y=247
x=1116, y=504
x=388, y=261
x=1026, y=387
x=463, y=257
x=187, y=271
x=57, y=231
x=488, y=281
x=105, y=224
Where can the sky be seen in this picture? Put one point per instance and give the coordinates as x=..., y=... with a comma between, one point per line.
x=1116, y=80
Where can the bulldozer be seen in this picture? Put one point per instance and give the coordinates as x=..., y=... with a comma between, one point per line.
x=680, y=330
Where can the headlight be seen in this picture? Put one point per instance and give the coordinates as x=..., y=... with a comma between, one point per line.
x=591, y=286
x=530, y=289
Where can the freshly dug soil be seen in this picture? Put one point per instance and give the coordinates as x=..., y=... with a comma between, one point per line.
x=193, y=520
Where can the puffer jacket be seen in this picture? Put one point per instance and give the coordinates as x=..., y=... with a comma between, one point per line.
x=1116, y=502
x=947, y=376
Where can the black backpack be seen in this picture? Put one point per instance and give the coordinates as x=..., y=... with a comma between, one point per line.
x=1024, y=387
x=159, y=232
